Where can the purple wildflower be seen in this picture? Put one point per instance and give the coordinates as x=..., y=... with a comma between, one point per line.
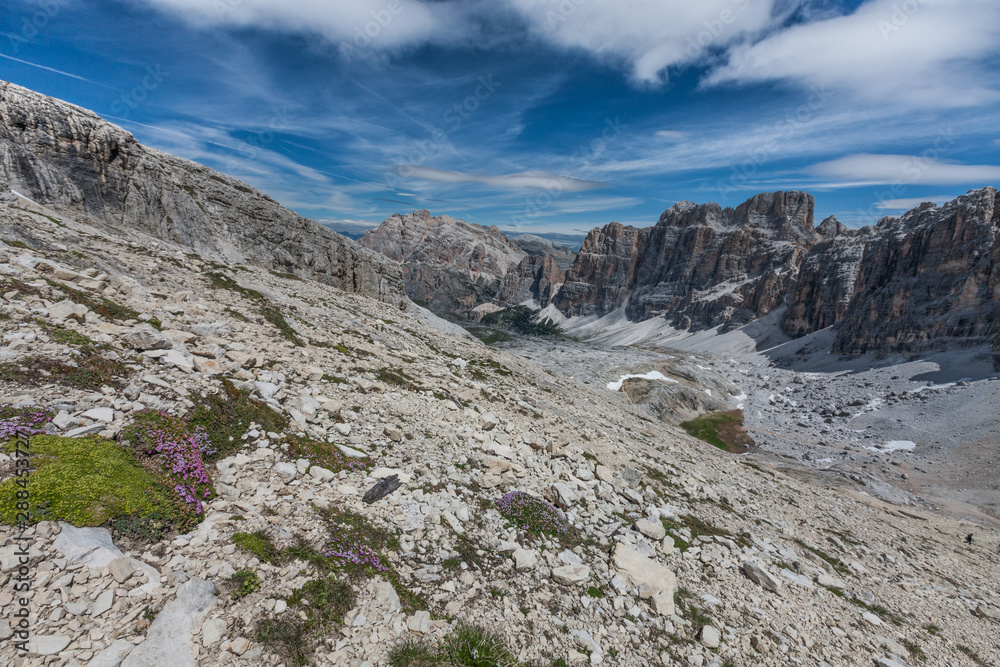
x=180, y=450
x=352, y=551
x=21, y=420
x=531, y=514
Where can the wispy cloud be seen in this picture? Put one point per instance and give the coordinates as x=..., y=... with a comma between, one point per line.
x=927, y=53
x=867, y=169
x=520, y=181
x=911, y=202
x=54, y=70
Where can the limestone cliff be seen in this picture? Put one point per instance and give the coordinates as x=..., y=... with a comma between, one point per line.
x=454, y=266
x=699, y=266
x=931, y=278
x=70, y=159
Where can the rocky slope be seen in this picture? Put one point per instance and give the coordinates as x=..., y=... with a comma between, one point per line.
x=678, y=553
x=70, y=159
x=454, y=266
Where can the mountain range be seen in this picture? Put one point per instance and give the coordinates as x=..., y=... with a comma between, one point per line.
x=924, y=280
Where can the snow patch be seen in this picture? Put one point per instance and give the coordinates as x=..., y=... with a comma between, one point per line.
x=895, y=446
x=651, y=375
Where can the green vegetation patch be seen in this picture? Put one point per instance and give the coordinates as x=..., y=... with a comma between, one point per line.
x=260, y=545
x=522, y=320
x=267, y=310
x=396, y=377
x=88, y=369
x=101, y=305
x=323, y=602
x=721, y=429
x=87, y=482
x=324, y=454
x=227, y=415
x=467, y=645
x=244, y=582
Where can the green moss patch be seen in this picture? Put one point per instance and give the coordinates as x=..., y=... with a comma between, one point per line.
x=226, y=416
x=86, y=482
x=721, y=429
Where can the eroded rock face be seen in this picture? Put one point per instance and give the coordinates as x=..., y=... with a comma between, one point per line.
x=699, y=266
x=825, y=286
x=70, y=159
x=454, y=266
x=931, y=278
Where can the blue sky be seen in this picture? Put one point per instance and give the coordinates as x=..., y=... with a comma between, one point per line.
x=539, y=115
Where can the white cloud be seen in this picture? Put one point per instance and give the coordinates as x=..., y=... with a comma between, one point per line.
x=911, y=202
x=648, y=35
x=867, y=169
x=923, y=53
x=672, y=135
x=361, y=26
x=520, y=181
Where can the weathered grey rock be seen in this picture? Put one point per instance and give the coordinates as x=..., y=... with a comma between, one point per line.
x=47, y=644
x=69, y=158
x=710, y=637
x=212, y=631
x=761, y=576
x=103, y=603
x=642, y=570
x=146, y=339
x=654, y=530
x=66, y=309
x=420, y=622
x=382, y=488
x=113, y=655
x=524, y=559
x=571, y=575
x=121, y=569
x=169, y=640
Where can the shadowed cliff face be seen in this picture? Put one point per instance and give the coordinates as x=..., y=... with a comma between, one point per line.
x=699, y=266
x=929, y=279
x=68, y=158
x=454, y=266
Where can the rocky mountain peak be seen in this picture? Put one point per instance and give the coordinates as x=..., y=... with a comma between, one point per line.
x=71, y=160
x=831, y=228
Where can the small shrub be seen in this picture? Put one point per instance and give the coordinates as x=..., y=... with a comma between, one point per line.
x=259, y=544
x=244, y=583
x=88, y=369
x=473, y=646
x=324, y=454
x=27, y=420
x=227, y=415
x=413, y=653
x=323, y=602
x=532, y=515
x=178, y=448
